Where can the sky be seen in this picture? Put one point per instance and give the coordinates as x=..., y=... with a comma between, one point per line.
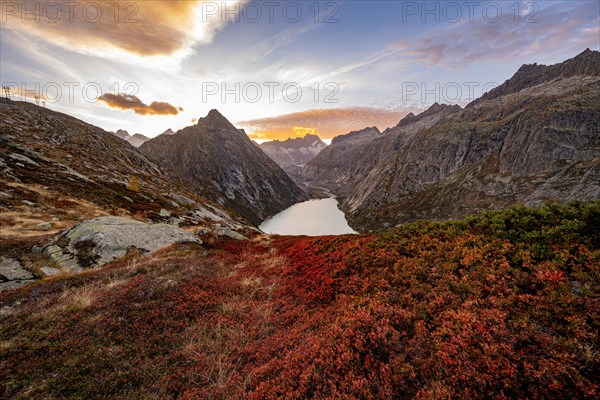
x=278, y=69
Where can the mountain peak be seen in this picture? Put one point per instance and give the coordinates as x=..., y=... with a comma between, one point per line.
x=215, y=119
x=214, y=113
x=294, y=152
x=232, y=168
x=122, y=133
x=307, y=139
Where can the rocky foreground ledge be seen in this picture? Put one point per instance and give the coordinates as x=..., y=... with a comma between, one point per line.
x=99, y=241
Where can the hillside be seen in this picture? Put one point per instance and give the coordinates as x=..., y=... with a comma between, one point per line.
x=231, y=169
x=501, y=305
x=56, y=170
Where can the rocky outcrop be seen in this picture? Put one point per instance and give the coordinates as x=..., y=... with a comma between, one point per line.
x=227, y=167
x=99, y=241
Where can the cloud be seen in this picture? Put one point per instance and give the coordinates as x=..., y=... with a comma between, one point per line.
x=328, y=123
x=121, y=31
x=552, y=32
x=128, y=102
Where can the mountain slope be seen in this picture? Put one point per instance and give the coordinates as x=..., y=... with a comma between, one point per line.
x=228, y=166
x=534, y=139
x=56, y=170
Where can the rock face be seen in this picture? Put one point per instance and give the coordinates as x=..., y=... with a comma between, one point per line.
x=534, y=139
x=294, y=151
x=228, y=166
x=99, y=241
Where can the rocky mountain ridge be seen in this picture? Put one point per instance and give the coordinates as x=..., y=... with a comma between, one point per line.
x=292, y=154
x=351, y=157
x=58, y=173
x=529, y=75
x=294, y=151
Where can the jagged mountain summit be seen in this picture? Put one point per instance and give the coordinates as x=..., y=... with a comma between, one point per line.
x=135, y=140
x=536, y=138
x=228, y=166
x=294, y=151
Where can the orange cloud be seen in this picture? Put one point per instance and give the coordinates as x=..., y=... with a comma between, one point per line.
x=108, y=28
x=127, y=102
x=327, y=123
x=302, y=131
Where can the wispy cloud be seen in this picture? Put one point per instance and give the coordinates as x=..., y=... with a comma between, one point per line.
x=556, y=29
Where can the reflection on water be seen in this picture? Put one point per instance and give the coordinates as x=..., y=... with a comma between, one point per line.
x=311, y=218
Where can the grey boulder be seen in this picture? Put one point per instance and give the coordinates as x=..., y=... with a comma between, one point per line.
x=99, y=241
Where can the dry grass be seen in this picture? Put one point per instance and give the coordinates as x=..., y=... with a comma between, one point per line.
x=6, y=344
x=78, y=298
x=115, y=281
x=251, y=281
x=48, y=205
